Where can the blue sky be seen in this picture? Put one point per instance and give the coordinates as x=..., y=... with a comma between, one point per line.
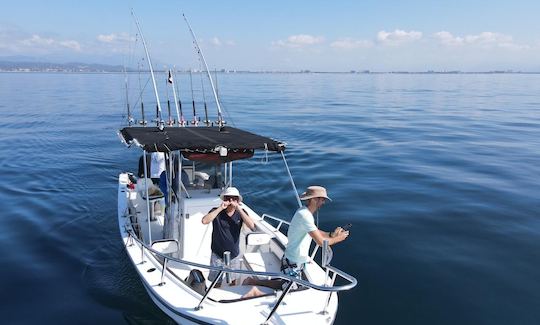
x=283, y=35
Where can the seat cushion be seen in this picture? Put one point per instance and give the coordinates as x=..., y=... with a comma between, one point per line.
x=263, y=262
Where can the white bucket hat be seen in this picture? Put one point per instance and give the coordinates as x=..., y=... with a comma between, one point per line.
x=230, y=191
x=314, y=191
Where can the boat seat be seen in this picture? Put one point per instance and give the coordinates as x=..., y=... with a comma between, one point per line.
x=262, y=262
x=156, y=198
x=314, y=273
x=258, y=260
x=154, y=193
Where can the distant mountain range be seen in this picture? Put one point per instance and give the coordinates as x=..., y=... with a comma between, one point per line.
x=36, y=66
x=32, y=64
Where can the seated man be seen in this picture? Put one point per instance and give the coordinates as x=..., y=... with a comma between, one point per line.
x=227, y=221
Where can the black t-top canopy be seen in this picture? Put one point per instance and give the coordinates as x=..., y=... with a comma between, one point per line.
x=197, y=139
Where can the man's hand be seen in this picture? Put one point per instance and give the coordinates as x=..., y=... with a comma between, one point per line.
x=224, y=205
x=333, y=237
x=335, y=232
x=339, y=234
x=234, y=204
x=245, y=217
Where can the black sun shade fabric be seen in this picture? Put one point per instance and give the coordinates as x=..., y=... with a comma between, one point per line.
x=202, y=139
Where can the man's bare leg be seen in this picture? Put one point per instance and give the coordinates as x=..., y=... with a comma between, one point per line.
x=273, y=284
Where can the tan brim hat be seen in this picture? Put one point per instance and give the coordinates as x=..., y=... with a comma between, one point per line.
x=230, y=191
x=313, y=192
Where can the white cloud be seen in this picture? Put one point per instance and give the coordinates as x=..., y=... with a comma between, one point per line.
x=299, y=41
x=219, y=42
x=118, y=43
x=216, y=42
x=488, y=38
x=484, y=39
x=115, y=38
x=349, y=43
x=446, y=38
x=39, y=43
x=398, y=36
x=74, y=45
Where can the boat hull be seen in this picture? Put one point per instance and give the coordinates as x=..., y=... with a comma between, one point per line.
x=179, y=301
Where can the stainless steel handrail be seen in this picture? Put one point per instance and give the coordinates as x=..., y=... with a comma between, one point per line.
x=351, y=279
x=221, y=270
x=281, y=221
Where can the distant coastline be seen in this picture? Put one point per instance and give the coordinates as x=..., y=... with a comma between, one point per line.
x=77, y=67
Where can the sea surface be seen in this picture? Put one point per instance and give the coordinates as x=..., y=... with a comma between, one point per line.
x=439, y=175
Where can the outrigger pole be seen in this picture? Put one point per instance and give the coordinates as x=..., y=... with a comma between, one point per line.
x=220, y=116
x=160, y=118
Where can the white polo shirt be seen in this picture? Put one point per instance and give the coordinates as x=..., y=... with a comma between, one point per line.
x=157, y=164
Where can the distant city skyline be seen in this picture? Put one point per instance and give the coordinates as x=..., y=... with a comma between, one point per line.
x=281, y=36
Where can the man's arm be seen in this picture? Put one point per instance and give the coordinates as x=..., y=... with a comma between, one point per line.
x=245, y=217
x=213, y=214
x=335, y=237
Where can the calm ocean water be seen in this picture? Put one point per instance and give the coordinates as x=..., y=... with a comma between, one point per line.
x=439, y=175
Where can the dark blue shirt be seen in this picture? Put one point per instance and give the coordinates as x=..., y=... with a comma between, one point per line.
x=226, y=233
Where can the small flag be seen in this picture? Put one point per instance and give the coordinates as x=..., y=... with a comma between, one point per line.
x=170, y=77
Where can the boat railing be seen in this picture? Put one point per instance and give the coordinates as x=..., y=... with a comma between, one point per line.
x=290, y=280
x=280, y=221
x=327, y=251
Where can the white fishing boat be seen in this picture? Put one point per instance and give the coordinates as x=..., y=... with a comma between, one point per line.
x=169, y=245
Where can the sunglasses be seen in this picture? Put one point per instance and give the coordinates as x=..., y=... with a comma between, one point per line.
x=229, y=198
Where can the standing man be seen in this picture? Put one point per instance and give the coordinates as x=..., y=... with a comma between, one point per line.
x=227, y=220
x=302, y=229
x=157, y=166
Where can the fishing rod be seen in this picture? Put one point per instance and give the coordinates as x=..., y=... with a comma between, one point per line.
x=171, y=81
x=181, y=120
x=143, y=121
x=170, y=121
x=194, y=122
x=217, y=87
x=159, y=115
x=199, y=51
x=206, y=121
x=129, y=118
